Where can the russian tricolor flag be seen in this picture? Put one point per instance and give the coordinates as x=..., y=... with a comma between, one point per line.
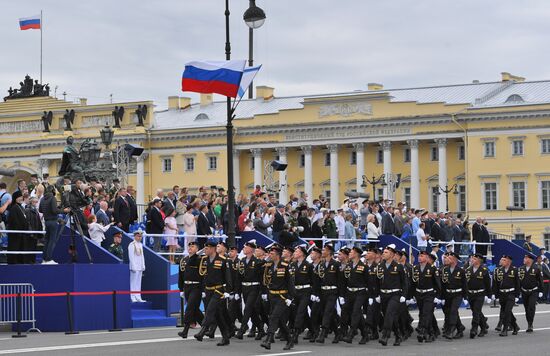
x=30, y=23
x=220, y=77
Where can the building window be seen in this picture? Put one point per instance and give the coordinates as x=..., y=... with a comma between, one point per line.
x=302, y=160
x=489, y=149
x=379, y=193
x=519, y=236
x=461, y=197
x=461, y=153
x=406, y=155
x=353, y=158
x=490, y=196
x=251, y=163
x=546, y=240
x=545, y=194
x=435, y=199
x=379, y=156
x=167, y=165
x=545, y=146
x=434, y=154
x=189, y=164
x=327, y=159
x=407, y=196
x=517, y=148
x=518, y=193
x=212, y=163
x=327, y=194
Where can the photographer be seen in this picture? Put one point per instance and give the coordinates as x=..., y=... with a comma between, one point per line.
x=49, y=209
x=74, y=199
x=289, y=236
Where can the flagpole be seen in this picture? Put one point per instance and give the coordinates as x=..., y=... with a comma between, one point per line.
x=41, y=29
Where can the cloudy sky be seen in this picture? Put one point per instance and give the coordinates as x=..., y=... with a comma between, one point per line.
x=136, y=50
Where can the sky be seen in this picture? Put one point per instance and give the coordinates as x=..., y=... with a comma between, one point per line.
x=136, y=50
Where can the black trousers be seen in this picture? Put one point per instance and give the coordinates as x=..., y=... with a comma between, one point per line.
x=250, y=298
x=16, y=242
x=192, y=313
x=373, y=317
x=299, y=315
x=390, y=308
x=476, y=305
x=530, y=304
x=262, y=309
x=215, y=312
x=507, y=301
x=354, y=308
x=278, y=316
x=327, y=308
x=425, y=303
x=452, y=318
x=235, y=310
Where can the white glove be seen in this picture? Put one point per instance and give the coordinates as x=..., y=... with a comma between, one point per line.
x=437, y=301
x=182, y=295
x=313, y=298
x=264, y=297
x=540, y=294
x=203, y=295
x=402, y=299
x=409, y=302
x=237, y=296
x=288, y=302
x=516, y=300
x=371, y=301
x=466, y=303
x=442, y=302
x=377, y=299
x=488, y=300
x=341, y=300
x=227, y=295
x=317, y=299
x=493, y=298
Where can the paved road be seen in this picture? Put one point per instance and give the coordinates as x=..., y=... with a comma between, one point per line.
x=164, y=341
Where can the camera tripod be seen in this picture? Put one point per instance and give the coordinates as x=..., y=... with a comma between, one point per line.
x=74, y=224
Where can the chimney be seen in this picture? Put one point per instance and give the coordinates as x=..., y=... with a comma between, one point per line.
x=375, y=86
x=507, y=77
x=264, y=92
x=83, y=101
x=175, y=102
x=206, y=99
x=185, y=102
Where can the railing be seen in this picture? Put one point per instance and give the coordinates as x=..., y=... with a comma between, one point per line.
x=141, y=212
x=19, y=305
x=499, y=236
x=473, y=245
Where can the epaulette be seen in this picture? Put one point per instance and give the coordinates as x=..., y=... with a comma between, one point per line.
x=285, y=264
x=112, y=245
x=222, y=257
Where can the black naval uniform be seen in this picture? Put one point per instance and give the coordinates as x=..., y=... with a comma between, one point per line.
x=190, y=283
x=455, y=289
x=304, y=285
x=531, y=284
x=393, y=286
x=216, y=281
x=479, y=287
x=316, y=310
x=426, y=286
x=356, y=281
x=506, y=287
x=330, y=283
x=234, y=306
x=248, y=285
x=372, y=307
x=280, y=286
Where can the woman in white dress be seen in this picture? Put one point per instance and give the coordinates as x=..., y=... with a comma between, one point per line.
x=372, y=231
x=171, y=232
x=96, y=230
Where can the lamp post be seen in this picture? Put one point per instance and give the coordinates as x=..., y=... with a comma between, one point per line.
x=374, y=181
x=229, y=134
x=446, y=191
x=254, y=17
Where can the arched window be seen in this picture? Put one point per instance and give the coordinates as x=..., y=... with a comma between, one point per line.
x=514, y=98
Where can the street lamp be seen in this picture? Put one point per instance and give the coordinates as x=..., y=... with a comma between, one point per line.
x=254, y=17
x=107, y=134
x=446, y=191
x=374, y=181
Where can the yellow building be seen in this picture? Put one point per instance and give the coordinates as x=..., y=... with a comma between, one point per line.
x=490, y=139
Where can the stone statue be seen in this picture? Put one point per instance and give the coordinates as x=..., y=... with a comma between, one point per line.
x=69, y=119
x=38, y=88
x=70, y=161
x=141, y=113
x=118, y=115
x=46, y=90
x=28, y=88
x=47, y=120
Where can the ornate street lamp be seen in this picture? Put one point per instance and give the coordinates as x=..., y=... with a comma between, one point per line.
x=107, y=134
x=446, y=191
x=254, y=17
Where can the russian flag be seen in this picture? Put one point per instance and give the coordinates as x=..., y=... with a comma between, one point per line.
x=248, y=76
x=30, y=23
x=220, y=77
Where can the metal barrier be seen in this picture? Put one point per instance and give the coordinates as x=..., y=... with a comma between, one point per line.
x=17, y=308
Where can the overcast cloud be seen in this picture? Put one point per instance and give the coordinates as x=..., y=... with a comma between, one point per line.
x=136, y=50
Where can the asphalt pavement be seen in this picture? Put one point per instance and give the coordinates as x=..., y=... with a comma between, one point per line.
x=164, y=341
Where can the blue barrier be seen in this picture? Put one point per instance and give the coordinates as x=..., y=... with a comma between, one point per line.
x=386, y=240
x=534, y=248
x=505, y=247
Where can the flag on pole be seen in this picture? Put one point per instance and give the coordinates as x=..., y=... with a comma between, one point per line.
x=220, y=77
x=248, y=76
x=30, y=23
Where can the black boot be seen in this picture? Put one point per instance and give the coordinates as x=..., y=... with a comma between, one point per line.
x=252, y=332
x=385, y=337
x=420, y=337
x=308, y=335
x=349, y=337
x=398, y=339
x=515, y=328
x=200, y=335
x=184, y=332
x=260, y=334
x=365, y=337
x=473, y=333
x=322, y=335
x=459, y=334
x=499, y=326
x=240, y=333
x=448, y=334
x=211, y=332
x=279, y=335
x=290, y=341
x=295, y=336
x=504, y=331
x=266, y=344
x=530, y=327
x=483, y=332
x=224, y=341
x=313, y=337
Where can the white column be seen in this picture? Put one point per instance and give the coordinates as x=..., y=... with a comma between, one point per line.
x=334, y=183
x=442, y=151
x=283, y=185
x=237, y=171
x=308, y=173
x=359, y=165
x=140, y=178
x=386, y=146
x=415, y=175
x=257, y=153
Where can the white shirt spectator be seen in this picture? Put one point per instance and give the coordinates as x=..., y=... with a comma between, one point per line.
x=97, y=232
x=421, y=238
x=372, y=231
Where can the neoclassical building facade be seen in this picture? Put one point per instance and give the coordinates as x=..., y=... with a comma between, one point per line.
x=491, y=140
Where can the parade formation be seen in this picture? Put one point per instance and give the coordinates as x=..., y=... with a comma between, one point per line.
x=306, y=294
